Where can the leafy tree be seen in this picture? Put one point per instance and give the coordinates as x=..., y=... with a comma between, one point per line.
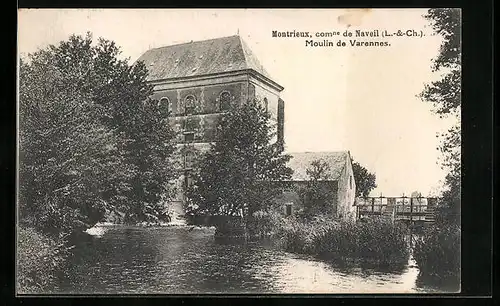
x=365, y=181
x=90, y=138
x=318, y=170
x=317, y=195
x=145, y=136
x=65, y=154
x=243, y=171
x=445, y=95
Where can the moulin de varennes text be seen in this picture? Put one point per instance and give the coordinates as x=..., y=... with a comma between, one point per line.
x=328, y=43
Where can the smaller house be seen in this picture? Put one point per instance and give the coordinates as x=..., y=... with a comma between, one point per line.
x=337, y=178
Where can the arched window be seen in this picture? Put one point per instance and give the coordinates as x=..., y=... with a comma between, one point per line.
x=224, y=100
x=189, y=159
x=350, y=181
x=189, y=105
x=165, y=105
x=266, y=104
x=188, y=180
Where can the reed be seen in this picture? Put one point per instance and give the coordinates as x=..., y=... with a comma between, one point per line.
x=376, y=241
x=437, y=252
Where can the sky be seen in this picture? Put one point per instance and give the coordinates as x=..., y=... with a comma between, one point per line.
x=361, y=99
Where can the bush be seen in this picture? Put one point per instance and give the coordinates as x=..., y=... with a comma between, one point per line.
x=298, y=238
x=38, y=260
x=437, y=252
x=373, y=241
x=265, y=223
x=230, y=227
x=383, y=241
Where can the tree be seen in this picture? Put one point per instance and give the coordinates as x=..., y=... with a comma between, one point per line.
x=318, y=170
x=445, y=95
x=317, y=195
x=145, y=135
x=365, y=181
x=63, y=150
x=90, y=138
x=243, y=171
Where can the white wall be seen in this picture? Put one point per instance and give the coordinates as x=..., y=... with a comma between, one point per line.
x=346, y=194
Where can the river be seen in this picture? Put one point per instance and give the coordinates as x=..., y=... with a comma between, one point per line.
x=183, y=260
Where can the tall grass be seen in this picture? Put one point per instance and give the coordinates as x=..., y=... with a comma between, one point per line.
x=260, y=225
x=437, y=252
x=265, y=224
x=38, y=260
x=377, y=241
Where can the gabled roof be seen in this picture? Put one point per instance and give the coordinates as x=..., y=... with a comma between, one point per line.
x=197, y=58
x=301, y=161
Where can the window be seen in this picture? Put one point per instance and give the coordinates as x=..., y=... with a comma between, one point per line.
x=188, y=160
x=288, y=209
x=165, y=105
x=189, y=125
x=189, y=137
x=188, y=180
x=189, y=105
x=225, y=100
x=350, y=181
x=266, y=104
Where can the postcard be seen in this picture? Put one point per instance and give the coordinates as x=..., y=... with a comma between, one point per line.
x=238, y=151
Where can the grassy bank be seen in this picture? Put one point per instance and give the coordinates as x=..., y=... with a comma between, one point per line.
x=371, y=241
x=376, y=241
x=437, y=253
x=38, y=259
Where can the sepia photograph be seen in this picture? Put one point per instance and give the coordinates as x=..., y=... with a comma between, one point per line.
x=238, y=151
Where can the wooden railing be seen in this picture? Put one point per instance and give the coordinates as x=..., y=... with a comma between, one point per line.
x=402, y=208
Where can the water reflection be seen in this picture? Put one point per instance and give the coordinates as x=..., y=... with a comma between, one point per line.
x=177, y=260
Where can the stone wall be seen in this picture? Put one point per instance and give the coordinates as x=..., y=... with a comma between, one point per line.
x=203, y=127
x=206, y=96
x=291, y=195
x=275, y=106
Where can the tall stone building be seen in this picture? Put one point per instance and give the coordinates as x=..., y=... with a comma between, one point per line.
x=197, y=82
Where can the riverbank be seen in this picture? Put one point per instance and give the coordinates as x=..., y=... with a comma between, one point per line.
x=181, y=253
x=374, y=241
x=100, y=228
x=370, y=243
x=173, y=260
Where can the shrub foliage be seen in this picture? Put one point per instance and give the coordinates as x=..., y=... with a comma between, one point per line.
x=375, y=240
x=437, y=252
x=38, y=260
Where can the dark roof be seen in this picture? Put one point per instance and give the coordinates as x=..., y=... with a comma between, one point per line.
x=217, y=55
x=301, y=161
